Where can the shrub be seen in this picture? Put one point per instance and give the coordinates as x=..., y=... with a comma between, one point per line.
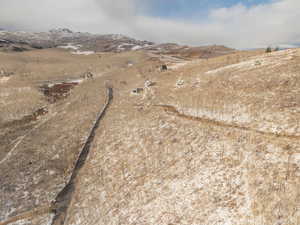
x=269, y=49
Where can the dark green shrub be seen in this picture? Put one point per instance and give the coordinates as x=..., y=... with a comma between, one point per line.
x=269, y=49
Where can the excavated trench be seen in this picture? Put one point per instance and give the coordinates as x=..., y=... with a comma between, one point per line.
x=61, y=204
x=63, y=199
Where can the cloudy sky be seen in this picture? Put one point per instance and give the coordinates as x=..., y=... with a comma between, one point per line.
x=235, y=23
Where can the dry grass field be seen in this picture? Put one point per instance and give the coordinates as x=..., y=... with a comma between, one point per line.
x=208, y=142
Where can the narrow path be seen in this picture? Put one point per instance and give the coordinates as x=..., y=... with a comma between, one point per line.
x=29, y=214
x=63, y=199
x=173, y=110
x=19, y=140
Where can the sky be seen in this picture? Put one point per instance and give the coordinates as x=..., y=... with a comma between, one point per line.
x=193, y=9
x=241, y=24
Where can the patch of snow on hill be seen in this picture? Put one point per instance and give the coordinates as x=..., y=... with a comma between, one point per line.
x=83, y=52
x=269, y=59
x=70, y=46
x=177, y=65
x=4, y=79
x=117, y=36
x=137, y=47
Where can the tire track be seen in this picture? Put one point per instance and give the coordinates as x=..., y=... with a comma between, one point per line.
x=172, y=109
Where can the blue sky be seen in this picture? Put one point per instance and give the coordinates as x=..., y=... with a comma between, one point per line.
x=239, y=24
x=191, y=9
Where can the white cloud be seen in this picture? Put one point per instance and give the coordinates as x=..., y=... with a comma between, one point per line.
x=241, y=27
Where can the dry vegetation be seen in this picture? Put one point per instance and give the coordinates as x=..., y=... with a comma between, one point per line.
x=213, y=141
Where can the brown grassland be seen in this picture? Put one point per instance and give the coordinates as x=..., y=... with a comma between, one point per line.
x=210, y=142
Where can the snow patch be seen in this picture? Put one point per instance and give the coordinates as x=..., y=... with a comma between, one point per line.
x=70, y=46
x=177, y=65
x=4, y=79
x=83, y=53
x=179, y=83
x=76, y=81
x=270, y=59
x=117, y=36
x=137, y=47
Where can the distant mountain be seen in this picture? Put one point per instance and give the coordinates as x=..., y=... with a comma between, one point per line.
x=66, y=38
x=61, y=30
x=184, y=51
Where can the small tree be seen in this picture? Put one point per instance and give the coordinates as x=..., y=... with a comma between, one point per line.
x=277, y=49
x=269, y=49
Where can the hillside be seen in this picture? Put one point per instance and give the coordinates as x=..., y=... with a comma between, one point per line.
x=212, y=140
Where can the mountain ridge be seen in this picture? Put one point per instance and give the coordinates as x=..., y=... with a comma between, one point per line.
x=84, y=41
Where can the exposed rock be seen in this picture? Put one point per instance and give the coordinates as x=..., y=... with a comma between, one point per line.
x=5, y=73
x=137, y=91
x=164, y=67
x=149, y=83
x=179, y=83
x=88, y=75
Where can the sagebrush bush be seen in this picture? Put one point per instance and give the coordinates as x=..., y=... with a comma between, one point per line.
x=269, y=49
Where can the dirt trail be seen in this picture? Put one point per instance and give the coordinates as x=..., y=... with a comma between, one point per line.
x=63, y=199
x=173, y=110
x=29, y=214
x=20, y=139
x=61, y=204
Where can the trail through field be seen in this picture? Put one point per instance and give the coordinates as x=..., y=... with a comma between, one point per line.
x=174, y=110
x=19, y=140
x=60, y=206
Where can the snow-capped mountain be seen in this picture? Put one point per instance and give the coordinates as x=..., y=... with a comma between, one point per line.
x=64, y=36
x=87, y=42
